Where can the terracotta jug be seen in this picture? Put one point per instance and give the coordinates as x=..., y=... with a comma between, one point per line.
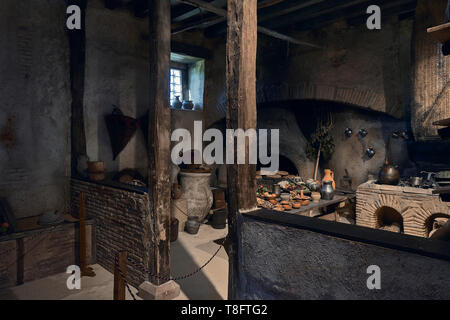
x=329, y=176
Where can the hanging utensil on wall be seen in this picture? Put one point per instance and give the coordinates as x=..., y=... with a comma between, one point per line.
x=121, y=130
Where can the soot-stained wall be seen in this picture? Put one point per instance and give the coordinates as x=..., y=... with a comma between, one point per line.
x=297, y=120
x=35, y=106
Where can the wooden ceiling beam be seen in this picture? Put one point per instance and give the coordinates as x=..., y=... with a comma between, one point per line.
x=223, y=13
x=285, y=8
x=388, y=8
x=197, y=11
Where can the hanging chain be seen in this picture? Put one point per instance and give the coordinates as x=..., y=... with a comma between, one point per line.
x=142, y=269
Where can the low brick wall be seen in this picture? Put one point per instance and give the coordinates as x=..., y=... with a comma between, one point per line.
x=32, y=255
x=122, y=223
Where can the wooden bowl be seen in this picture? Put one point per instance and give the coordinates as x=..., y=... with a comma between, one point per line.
x=287, y=207
x=305, y=202
x=96, y=166
x=297, y=205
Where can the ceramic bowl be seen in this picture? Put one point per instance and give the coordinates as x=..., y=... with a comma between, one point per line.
x=285, y=196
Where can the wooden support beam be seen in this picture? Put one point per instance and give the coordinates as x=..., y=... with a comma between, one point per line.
x=77, y=43
x=85, y=270
x=159, y=140
x=119, y=284
x=223, y=13
x=241, y=113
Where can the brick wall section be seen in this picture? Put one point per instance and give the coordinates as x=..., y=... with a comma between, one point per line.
x=122, y=223
x=366, y=99
x=415, y=205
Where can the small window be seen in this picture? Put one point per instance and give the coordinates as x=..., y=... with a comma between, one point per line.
x=176, y=84
x=187, y=81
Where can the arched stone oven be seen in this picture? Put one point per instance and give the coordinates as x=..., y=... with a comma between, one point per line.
x=418, y=208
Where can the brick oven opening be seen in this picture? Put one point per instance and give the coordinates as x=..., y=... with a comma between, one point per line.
x=389, y=219
x=435, y=221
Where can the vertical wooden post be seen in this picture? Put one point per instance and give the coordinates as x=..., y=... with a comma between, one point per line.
x=241, y=113
x=85, y=270
x=159, y=139
x=77, y=41
x=119, y=284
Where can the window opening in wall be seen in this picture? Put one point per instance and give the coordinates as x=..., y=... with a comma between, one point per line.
x=176, y=84
x=187, y=77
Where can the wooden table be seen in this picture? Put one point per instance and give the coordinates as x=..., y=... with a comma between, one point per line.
x=308, y=210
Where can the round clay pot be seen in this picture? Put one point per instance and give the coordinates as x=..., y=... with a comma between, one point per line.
x=287, y=208
x=196, y=191
x=219, y=219
x=192, y=225
x=316, y=197
x=297, y=205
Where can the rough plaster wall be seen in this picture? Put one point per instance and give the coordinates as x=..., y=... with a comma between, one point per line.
x=351, y=58
x=35, y=106
x=286, y=263
x=197, y=84
x=357, y=58
x=350, y=153
x=292, y=141
x=117, y=73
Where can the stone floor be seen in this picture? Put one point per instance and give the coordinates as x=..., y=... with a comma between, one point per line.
x=187, y=254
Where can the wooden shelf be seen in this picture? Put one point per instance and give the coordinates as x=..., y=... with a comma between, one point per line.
x=441, y=32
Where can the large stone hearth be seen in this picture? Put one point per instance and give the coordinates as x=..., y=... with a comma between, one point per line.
x=418, y=208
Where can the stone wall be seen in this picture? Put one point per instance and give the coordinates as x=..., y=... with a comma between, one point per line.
x=35, y=106
x=431, y=72
x=283, y=262
x=122, y=223
x=32, y=255
x=416, y=206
